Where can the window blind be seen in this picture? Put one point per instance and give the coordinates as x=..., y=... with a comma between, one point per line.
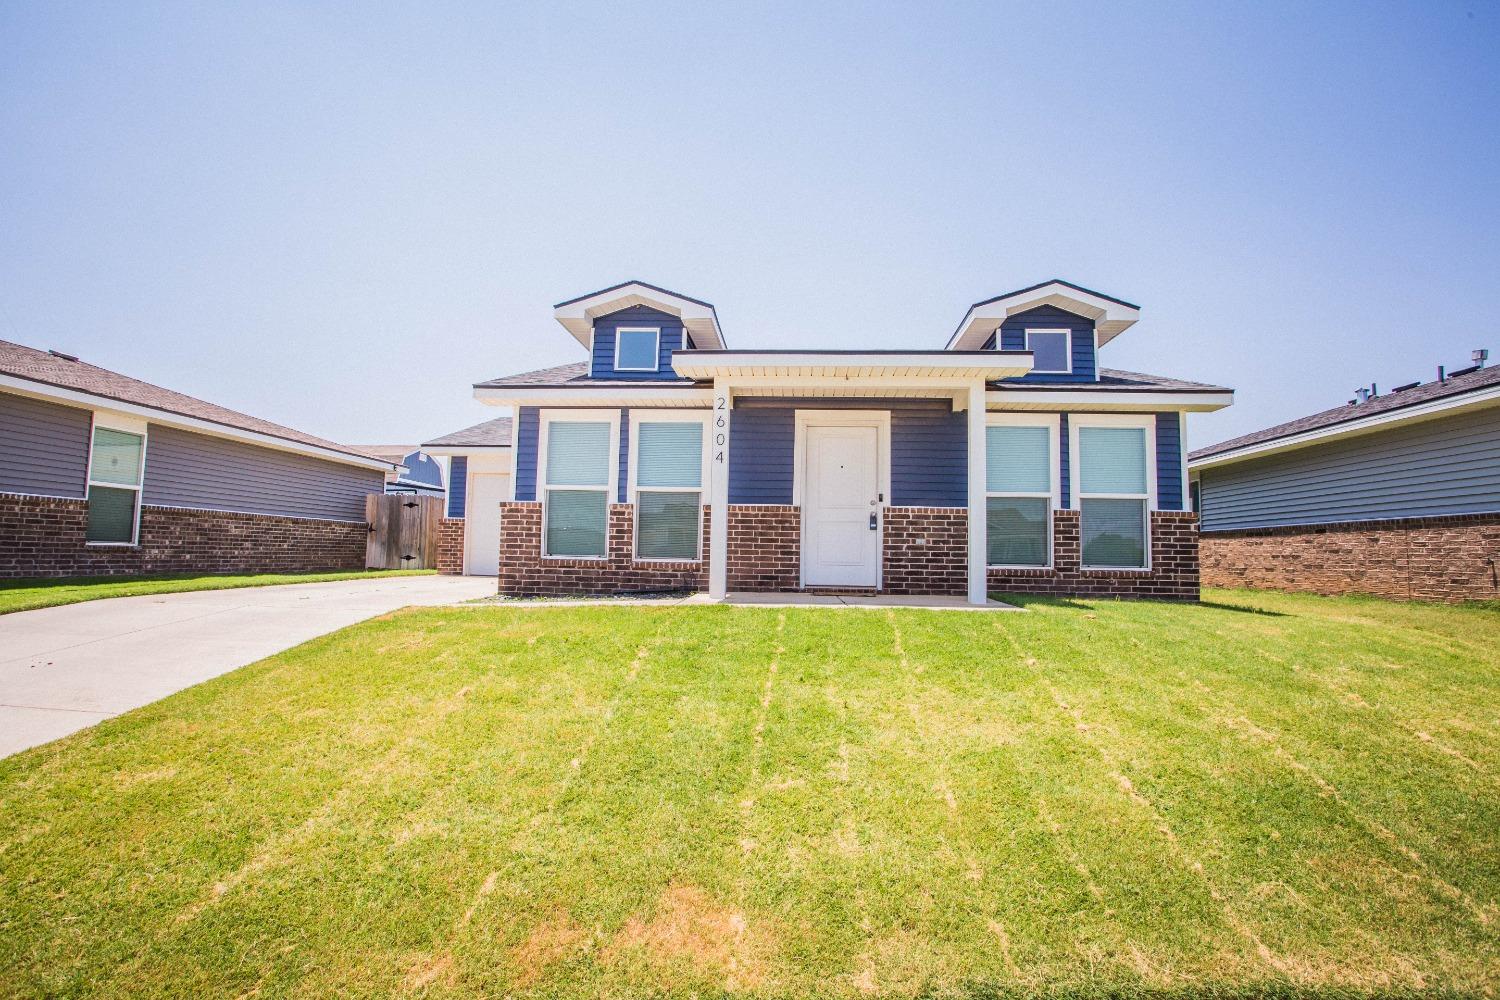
x=1016, y=530
x=669, y=454
x=577, y=453
x=576, y=522
x=667, y=525
x=1018, y=460
x=117, y=457
x=1114, y=533
x=1112, y=459
x=111, y=514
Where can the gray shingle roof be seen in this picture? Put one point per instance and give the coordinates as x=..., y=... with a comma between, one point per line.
x=51, y=369
x=1115, y=380
x=1454, y=385
x=575, y=374
x=490, y=434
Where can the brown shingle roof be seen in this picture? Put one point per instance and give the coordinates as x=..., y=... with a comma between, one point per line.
x=575, y=374
x=490, y=434
x=1454, y=385
x=51, y=369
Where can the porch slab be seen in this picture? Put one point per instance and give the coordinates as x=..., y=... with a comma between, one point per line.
x=797, y=600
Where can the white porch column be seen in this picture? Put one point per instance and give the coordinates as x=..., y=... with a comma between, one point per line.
x=718, y=461
x=978, y=584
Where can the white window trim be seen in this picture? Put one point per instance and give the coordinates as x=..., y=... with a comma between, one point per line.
x=655, y=352
x=1145, y=421
x=125, y=424
x=1052, y=422
x=1067, y=354
x=544, y=421
x=662, y=416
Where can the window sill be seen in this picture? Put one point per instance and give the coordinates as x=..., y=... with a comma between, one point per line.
x=112, y=545
x=1104, y=570
x=1015, y=568
x=590, y=559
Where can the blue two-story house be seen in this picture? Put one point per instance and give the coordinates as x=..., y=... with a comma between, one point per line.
x=1009, y=460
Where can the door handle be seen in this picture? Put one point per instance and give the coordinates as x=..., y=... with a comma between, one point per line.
x=872, y=521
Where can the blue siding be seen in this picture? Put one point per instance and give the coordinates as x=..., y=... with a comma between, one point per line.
x=623, y=487
x=44, y=447
x=602, y=362
x=526, y=440
x=1012, y=337
x=1168, y=461
x=929, y=453
x=458, y=485
x=1444, y=466
x=761, y=446
x=929, y=457
x=1064, y=460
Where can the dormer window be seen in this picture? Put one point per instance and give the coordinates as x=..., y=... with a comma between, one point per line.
x=1052, y=350
x=637, y=348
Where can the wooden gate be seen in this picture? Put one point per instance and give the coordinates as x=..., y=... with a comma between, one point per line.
x=403, y=531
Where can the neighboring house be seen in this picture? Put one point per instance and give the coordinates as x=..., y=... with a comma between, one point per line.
x=1008, y=460
x=101, y=474
x=414, y=471
x=479, y=479
x=1396, y=495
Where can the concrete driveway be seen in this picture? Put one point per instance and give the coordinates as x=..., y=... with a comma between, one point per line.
x=64, y=669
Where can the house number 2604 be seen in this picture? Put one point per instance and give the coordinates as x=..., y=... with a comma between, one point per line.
x=721, y=423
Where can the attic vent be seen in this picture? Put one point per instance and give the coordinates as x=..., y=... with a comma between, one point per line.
x=59, y=354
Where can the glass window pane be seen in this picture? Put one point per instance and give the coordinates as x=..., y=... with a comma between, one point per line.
x=1113, y=459
x=669, y=454
x=577, y=453
x=636, y=349
x=117, y=457
x=1050, y=351
x=1016, y=530
x=576, y=523
x=111, y=514
x=666, y=525
x=1114, y=533
x=1018, y=460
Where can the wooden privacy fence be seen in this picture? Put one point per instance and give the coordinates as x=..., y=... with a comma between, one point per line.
x=403, y=531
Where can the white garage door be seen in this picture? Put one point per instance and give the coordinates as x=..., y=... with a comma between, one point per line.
x=482, y=517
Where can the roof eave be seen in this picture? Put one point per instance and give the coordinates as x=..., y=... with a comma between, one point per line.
x=1111, y=316
x=577, y=316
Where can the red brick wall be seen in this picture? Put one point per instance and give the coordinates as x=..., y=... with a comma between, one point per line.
x=450, y=553
x=926, y=550
x=1173, y=574
x=44, y=537
x=765, y=548
x=1425, y=558
x=525, y=573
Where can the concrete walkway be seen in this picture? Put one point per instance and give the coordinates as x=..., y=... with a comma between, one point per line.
x=769, y=600
x=63, y=669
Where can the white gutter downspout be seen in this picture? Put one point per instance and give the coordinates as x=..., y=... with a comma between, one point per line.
x=978, y=583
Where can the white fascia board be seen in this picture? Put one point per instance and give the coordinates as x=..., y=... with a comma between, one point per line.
x=1445, y=407
x=601, y=396
x=700, y=320
x=90, y=401
x=1195, y=402
x=743, y=366
x=1110, y=318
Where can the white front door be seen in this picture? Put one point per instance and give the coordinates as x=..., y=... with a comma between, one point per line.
x=482, y=522
x=841, y=506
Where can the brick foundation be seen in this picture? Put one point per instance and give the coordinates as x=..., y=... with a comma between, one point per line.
x=44, y=537
x=450, y=553
x=1174, y=564
x=926, y=550
x=525, y=573
x=1424, y=558
x=765, y=548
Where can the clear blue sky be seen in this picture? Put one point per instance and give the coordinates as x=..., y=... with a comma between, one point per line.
x=341, y=217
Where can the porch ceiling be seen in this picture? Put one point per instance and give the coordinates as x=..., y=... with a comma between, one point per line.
x=867, y=368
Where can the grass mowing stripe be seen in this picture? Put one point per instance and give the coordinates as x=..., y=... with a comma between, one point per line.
x=1333, y=934
x=1444, y=786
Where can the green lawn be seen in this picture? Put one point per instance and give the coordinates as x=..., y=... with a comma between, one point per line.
x=1265, y=794
x=30, y=594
